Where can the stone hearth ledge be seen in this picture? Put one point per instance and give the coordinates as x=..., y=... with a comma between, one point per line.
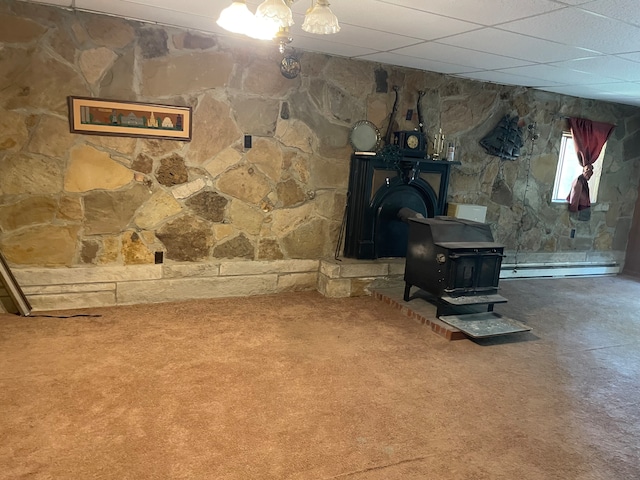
x=90, y=286
x=348, y=277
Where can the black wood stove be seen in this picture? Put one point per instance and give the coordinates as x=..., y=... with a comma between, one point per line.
x=452, y=258
x=457, y=264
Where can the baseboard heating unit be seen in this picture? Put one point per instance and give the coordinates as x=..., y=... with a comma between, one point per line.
x=573, y=269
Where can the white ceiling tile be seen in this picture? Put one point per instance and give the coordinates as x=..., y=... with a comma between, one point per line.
x=510, y=44
x=569, y=90
x=613, y=68
x=395, y=19
x=624, y=88
x=602, y=92
x=574, y=2
x=579, y=28
x=634, y=57
x=504, y=78
x=123, y=6
x=625, y=10
x=196, y=7
x=559, y=75
x=460, y=56
x=414, y=62
x=167, y=16
x=324, y=44
x=483, y=12
x=361, y=37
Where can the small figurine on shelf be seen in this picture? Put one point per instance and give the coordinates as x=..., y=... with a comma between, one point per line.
x=451, y=152
x=438, y=145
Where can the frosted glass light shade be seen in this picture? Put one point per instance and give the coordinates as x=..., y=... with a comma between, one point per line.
x=237, y=18
x=277, y=11
x=263, y=29
x=320, y=19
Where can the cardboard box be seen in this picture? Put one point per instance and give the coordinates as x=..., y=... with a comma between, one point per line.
x=477, y=213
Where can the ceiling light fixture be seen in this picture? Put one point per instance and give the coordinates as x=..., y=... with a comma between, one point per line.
x=276, y=11
x=236, y=18
x=273, y=19
x=320, y=19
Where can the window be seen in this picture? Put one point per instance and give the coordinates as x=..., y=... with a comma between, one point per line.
x=569, y=169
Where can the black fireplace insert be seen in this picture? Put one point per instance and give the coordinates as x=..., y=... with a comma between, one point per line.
x=378, y=190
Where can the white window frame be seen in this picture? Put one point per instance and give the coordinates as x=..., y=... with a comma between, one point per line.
x=569, y=168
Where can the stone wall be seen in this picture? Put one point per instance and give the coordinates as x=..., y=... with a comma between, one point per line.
x=632, y=258
x=69, y=200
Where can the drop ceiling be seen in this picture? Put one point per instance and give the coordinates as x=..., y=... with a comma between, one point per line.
x=583, y=48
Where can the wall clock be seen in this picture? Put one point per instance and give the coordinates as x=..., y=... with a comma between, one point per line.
x=411, y=142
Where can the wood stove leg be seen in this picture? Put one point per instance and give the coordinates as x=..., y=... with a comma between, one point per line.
x=407, y=290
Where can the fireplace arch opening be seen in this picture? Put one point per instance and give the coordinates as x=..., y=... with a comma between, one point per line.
x=391, y=233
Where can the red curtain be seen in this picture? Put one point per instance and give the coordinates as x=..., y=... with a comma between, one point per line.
x=589, y=138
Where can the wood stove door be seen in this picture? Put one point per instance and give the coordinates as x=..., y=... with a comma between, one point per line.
x=473, y=272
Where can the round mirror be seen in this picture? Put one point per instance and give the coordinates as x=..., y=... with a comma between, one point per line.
x=365, y=136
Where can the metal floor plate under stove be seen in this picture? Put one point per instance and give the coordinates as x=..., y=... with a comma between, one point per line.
x=484, y=324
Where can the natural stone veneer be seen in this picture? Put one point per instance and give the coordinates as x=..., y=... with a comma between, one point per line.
x=91, y=169
x=95, y=62
x=186, y=238
x=13, y=132
x=19, y=30
x=41, y=245
x=194, y=72
x=109, y=202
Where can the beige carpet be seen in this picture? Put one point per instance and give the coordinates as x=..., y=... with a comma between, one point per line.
x=298, y=386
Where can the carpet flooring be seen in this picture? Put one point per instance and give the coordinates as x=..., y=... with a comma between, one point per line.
x=298, y=386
